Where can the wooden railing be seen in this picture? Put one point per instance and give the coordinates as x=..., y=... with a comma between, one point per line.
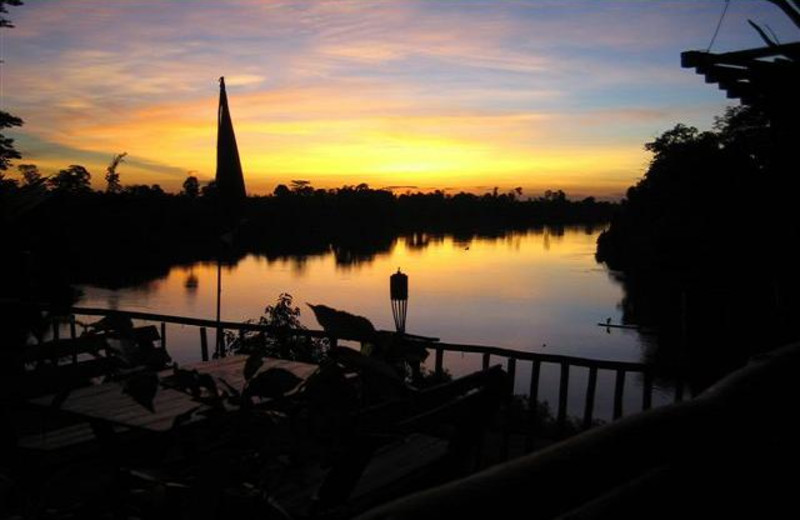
x=730, y=438
x=620, y=368
x=511, y=358
x=202, y=324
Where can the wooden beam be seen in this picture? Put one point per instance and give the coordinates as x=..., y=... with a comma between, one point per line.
x=690, y=59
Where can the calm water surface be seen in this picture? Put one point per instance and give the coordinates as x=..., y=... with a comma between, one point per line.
x=536, y=290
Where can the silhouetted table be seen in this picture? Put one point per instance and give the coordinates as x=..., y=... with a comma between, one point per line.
x=108, y=404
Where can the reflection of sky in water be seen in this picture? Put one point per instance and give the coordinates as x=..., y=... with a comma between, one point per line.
x=522, y=291
x=530, y=291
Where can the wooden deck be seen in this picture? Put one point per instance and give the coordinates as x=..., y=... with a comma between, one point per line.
x=617, y=379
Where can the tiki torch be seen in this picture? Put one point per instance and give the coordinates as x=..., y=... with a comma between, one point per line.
x=398, y=292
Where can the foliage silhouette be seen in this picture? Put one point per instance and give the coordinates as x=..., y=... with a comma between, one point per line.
x=191, y=187
x=74, y=180
x=5, y=22
x=7, y=151
x=678, y=243
x=282, y=318
x=113, y=184
x=30, y=174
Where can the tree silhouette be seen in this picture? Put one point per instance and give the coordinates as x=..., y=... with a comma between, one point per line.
x=30, y=174
x=281, y=191
x=703, y=241
x=690, y=184
x=5, y=22
x=191, y=187
x=209, y=190
x=302, y=187
x=7, y=151
x=144, y=191
x=112, y=177
x=75, y=179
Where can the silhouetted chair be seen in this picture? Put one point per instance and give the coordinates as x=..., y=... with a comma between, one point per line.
x=401, y=446
x=726, y=453
x=57, y=365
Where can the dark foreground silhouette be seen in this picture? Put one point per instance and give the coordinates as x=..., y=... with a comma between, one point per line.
x=705, y=242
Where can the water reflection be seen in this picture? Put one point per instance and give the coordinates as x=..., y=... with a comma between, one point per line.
x=352, y=253
x=191, y=282
x=511, y=289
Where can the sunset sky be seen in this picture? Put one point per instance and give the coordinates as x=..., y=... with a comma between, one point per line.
x=461, y=95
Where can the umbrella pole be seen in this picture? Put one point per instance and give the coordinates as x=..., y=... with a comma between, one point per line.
x=220, y=347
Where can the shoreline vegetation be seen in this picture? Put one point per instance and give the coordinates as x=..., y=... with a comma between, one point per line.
x=129, y=235
x=702, y=245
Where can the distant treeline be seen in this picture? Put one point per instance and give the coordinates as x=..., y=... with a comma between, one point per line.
x=141, y=230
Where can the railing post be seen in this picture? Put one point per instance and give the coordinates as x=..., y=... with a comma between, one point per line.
x=533, y=403
x=164, y=335
x=486, y=360
x=533, y=395
x=591, y=387
x=563, y=391
x=647, y=397
x=203, y=344
x=56, y=331
x=438, y=368
x=72, y=332
x=220, y=342
x=619, y=391
x=511, y=366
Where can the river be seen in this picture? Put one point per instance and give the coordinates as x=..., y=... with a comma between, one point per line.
x=538, y=290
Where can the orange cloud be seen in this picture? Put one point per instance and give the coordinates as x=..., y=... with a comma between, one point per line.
x=358, y=132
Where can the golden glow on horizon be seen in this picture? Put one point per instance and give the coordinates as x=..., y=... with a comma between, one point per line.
x=332, y=147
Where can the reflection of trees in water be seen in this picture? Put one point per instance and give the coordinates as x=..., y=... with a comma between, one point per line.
x=128, y=238
x=711, y=324
x=191, y=282
x=349, y=251
x=420, y=240
x=352, y=252
x=299, y=265
x=591, y=229
x=112, y=302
